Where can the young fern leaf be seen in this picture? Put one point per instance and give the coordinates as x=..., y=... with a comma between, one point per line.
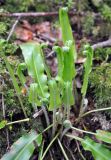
x=20, y=69
x=98, y=151
x=24, y=147
x=33, y=95
x=69, y=71
x=87, y=67
x=68, y=98
x=67, y=31
x=55, y=100
x=34, y=61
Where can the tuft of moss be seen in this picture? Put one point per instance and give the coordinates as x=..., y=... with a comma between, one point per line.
x=100, y=81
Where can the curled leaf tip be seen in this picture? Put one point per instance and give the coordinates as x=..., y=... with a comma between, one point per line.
x=64, y=9
x=65, y=49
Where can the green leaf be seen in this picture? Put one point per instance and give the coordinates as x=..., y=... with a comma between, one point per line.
x=20, y=69
x=3, y=124
x=55, y=100
x=34, y=61
x=99, y=152
x=104, y=136
x=87, y=67
x=68, y=98
x=67, y=31
x=69, y=71
x=33, y=94
x=24, y=147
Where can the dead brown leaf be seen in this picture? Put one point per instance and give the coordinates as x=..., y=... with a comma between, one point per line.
x=23, y=34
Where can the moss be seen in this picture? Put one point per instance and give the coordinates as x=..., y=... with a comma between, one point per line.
x=88, y=23
x=12, y=103
x=100, y=81
x=11, y=100
x=3, y=28
x=102, y=54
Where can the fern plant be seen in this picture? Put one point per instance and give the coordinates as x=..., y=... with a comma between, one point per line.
x=54, y=95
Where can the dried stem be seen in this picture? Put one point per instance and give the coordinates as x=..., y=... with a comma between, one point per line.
x=103, y=44
x=95, y=110
x=13, y=28
x=19, y=121
x=38, y=14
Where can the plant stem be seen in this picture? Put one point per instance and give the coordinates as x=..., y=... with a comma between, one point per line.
x=41, y=151
x=80, y=130
x=62, y=149
x=96, y=110
x=47, y=128
x=54, y=122
x=49, y=146
x=74, y=137
x=19, y=121
x=46, y=115
x=81, y=107
x=22, y=106
x=68, y=107
x=80, y=152
x=64, y=132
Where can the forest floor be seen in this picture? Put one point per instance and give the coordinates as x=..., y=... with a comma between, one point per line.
x=46, y=32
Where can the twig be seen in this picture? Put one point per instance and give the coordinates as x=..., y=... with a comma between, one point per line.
x=13, y=28
x=103, y=44
x=49, y=38
x=19, y=121
x=39, y=14
x=50, y=54
x=38, y=113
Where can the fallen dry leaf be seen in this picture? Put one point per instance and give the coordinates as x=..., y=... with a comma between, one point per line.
x=23, y=34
